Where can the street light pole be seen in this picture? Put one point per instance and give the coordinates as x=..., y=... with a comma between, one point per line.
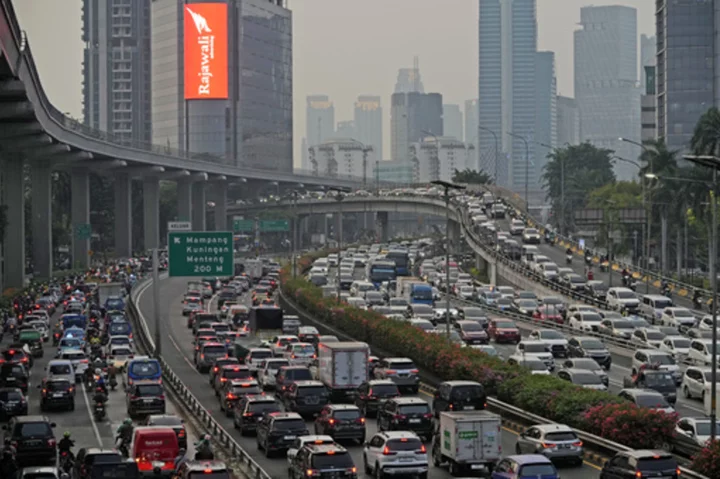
x=495, y=139
x=293, y=251
x=447, y=186
x=339, y=197
x=527, y=165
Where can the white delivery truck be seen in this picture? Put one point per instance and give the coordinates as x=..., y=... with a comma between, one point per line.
x=254, y=269
x=342, y=367
x=468, y=441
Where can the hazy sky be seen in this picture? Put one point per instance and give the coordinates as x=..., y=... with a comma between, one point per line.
x=342, y=48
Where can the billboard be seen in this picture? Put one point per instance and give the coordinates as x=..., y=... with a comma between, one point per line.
x=206, y=51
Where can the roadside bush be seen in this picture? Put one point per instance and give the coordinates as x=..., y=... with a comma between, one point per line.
x=707, y=461
x=597, y=412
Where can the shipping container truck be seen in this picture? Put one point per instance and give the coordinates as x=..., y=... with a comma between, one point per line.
x=468, y=441
x=342, y=367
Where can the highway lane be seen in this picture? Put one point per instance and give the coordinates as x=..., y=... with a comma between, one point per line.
x=178, y=353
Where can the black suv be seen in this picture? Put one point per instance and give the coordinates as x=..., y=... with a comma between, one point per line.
x=34, y=440
x=12, y=403
x=15, y=354
x=459, y=396
x=642, y=463
x=145, y=397
x=322, y=460
x=15, y=375
x=87, y=457
x=406, y=414
x=372, y=394
x=250, y=409
x=306, y=397
x=276, y=431
x=341, y=421
x=288, y=375
x=589, y=347
x=57, y=393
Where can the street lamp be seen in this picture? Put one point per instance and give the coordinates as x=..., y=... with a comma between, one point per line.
x=339, y=197
x=712, y=162
x=495, y=139
x=293, y=246
x=527, y=165
x=447, y=186
x=437, y=151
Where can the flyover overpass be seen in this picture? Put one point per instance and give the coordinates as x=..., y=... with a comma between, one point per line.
x=33, y=132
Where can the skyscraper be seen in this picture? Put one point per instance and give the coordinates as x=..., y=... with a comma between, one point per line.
x=368, y=123
x=116, y=68
x=687, y=68
x=453, y=121
x=319, y=121
x=235, y=103
x=545, y=109
x=606, y=77
x=568, y=121
x=408, y=79
x=471, y=121
x=346, y=129
x=648, y=56
x=506, y=90
x=411, y=115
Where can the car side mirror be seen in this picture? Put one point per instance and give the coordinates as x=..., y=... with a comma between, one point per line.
x=52, y=424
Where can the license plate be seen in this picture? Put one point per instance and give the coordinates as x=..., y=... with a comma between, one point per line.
x=146, y=401
x=289, y=438
x=57, y=395
x=407, y=459
x=476, y=466
x=469, y=408
x=414, y=421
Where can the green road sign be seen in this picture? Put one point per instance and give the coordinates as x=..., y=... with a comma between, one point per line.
x=83, y=231
x=200, y=253
x=271, y=226
x=243, y=226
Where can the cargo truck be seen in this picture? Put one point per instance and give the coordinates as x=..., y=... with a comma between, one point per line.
x=414, y=290
x=110, y=296
x=254, y=269
x=264, y=323
x=342, y=367
x=468, y=441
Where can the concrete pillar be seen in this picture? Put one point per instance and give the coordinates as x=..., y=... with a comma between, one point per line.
x=382, y=226
x=454, y=232
x=80, y=215
x=14, y=241
x=184, y=199
x=492, y=273
x=198, y=206
x=151, y=212
x=41, y=180
x=218, y=193
x=123, y=215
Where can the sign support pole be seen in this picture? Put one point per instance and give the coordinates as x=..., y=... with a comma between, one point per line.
x=156, y=302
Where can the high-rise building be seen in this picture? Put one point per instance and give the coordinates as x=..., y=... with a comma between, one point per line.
x=568, y=121
x=453, y=121
x=342, y=158
x=606, y=81
x=222, y=80
x=545, y=109
x=319, y=119
x=431, y=163
x=368, y=123
x=648, y=56
x=116, y=68
x=471, y=137
x=648, y=100
x=408, y=79
x=412, y=117
x=687, y=67
x=346, y=129
x=506, y=90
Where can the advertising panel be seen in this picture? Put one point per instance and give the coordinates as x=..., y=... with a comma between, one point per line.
x=206, y=51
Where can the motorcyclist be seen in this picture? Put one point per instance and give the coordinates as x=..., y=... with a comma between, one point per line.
x=66, y=444
x=203, y=449
x=568, y=252
x=100, y=388
x=697, y=298
x=8, y=447
x=8, y=465
x=125, y=431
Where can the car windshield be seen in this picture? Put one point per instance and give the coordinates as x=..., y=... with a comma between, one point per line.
x=337, y=460
x=398, y=302
x=289, y=424
x=422, y=309
x=535, y=348
x=145, y=368
x=576, y=278
x=591, y=317
x=60, y=369
x=472, y=327
x=347, y=415
x=654, y=335
x=587, y=379
x=661, y=359
x=592, y=344
x=589, y=364
x=537, y=470
x=662, y=463
x=527, y=303
x=303, y=349
x=302, y=374
x=33, y=429
x=623, y=325
x=460, y=393
x=166, y=421
x=404, y=444
x=263, y=407
x=505, y=325
x=702, y=427
x=681, y=343
x=74, y=356
x=473, y=313
x=662, y=303
x=551, y=334
x=262, y=354
x=215, y=350
x=625, y=294
x=504, y=301
x=554, y=301
x=560, y=436
x=236, y=373
x=414, y=409
x=533, y=364
x=119, y=327
x=683, y=313
x=651, y=401
x=531, y=231
x=10, y=395
x=384, y=390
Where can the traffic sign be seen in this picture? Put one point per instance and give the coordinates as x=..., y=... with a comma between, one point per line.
x=243, y=226
x=200, y=253
x=271, y=226
x=179, y=226
x=83, y=231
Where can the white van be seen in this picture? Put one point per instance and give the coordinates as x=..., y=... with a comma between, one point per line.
x=653, y=304
x=528, y=255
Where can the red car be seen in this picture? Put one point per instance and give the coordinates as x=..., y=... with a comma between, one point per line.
x=548, y=312
x=503, y=331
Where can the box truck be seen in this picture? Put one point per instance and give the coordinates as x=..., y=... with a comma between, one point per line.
x=342, y=367
x=468, y=441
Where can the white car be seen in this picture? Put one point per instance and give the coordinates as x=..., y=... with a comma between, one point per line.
x=553, y=338
x=696, y=382
x=39, y=325
x=585, y=321
x=120, y=355
x=506, y=291
x=647, y=337
x=279, y=343
x=257, y=356
x=622, y=299
x=706, y=323
x=677, y=346
x=663, y=360
x=535, y=366
x=268, y=371
x=390, y=453
x=701, y=352
x=300, y=441
x=677, y=317
x=538, y=350
x=531, y=236
x=549, y=270
x=516, y=227
x=299, y=354
x=466, y=293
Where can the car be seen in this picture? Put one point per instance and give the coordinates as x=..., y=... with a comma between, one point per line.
x=228, y=373
x=641, y=463
x=277, y=431
x=653, y=357
x=341, y=421
x=587, y=364
x=525, y=466
x=57, y=393
x=279, y=343
x=696, y=382
x=516, y=227
x=536, y=366
x=622, y=299
x=424, y=324
x=574, y=281
x=306, y=397
x=173, y=421
x=207, y=353
x=548, y=270
x=300, y=353
x=676, y=346
x=88, y=457
x=406, y=414
x=372, y=394
x=287, y=375
x=145, y=397
x=33, y=439
x=692, y=433
x=301, y=441
x=530, y=236
x=401, y=371
x=617, y=328
x=583, y=378
x=489, y=298
x=701, y=352
x=681, y=318
x=525, y=306
x=233, y=390
x=647, y=337
x=536, y=349
x=268, y=371
x=553, y=338
x=395, y=452
x=15, y=375
x=322, y=460
x=557, y=442
x=79, y=361
x=471, y=332
x=585, y=321
x=548, y=312
x=459, y=395
x=12, y=403
x=648, y=398
x=40, y=472
x=596, y=289
x=589, y=347
x=503, y=331
x=250, y=409
x=218, y=364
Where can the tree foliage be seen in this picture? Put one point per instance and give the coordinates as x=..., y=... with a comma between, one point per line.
x=584, y=168
x=471, y=177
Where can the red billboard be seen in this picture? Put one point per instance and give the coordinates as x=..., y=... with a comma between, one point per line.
x=206, y=51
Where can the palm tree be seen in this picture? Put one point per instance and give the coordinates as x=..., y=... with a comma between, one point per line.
x=706, y=137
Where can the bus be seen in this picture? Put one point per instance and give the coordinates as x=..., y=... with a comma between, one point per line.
x=381, y=270
x=401, y=258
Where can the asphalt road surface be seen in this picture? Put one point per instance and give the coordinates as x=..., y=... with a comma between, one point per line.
x=178, y=353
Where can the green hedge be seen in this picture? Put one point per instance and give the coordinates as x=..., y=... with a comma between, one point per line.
x=546, y=396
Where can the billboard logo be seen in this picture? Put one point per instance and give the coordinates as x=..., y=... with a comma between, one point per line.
x=206, y=51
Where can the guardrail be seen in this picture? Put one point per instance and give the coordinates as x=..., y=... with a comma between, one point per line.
x=188, y=399
x=596, y=443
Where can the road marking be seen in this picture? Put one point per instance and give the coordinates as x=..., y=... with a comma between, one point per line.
x=92, y=418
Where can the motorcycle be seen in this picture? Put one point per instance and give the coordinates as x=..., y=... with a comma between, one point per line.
x=568, y=259
x=667, y=292
x=697, y=303
x=122, y=445
x=56, y=339
x=113, y=382
x=604, y=266
x=99, y=411
x=67, y=461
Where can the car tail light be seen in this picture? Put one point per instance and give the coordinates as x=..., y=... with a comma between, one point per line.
x=181, y=433
x=638, y=474
x=230, y=396
x=331, y=422
x=414, y=371
x=360, y=420
x=422, y=449
x=248, y=414
x=51, y=442
x=388, y=452
x=428, y=415
x=548, y=446
x=400, y=417
x=578, y=443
